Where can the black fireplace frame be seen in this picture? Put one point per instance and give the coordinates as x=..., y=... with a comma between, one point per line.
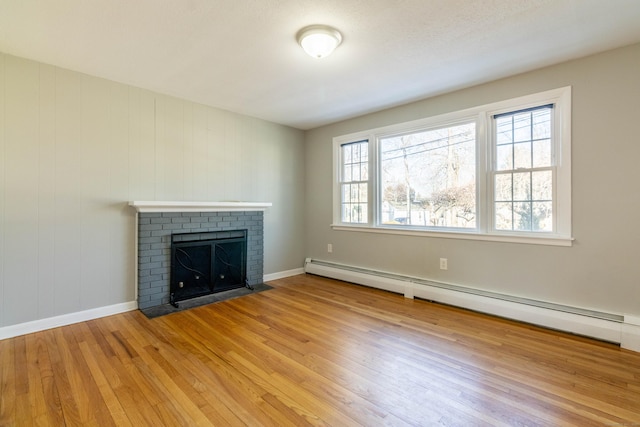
x=220, y=272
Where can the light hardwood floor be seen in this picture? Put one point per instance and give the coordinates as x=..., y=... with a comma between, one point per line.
x=315, y=351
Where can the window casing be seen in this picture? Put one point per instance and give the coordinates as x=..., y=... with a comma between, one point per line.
x=496, y=172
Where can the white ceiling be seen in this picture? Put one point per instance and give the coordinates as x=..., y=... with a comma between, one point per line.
x=242, y=56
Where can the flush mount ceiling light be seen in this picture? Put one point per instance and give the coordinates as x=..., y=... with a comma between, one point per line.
x=319, y=40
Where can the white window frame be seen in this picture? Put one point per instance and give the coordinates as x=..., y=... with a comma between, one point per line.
x=485, y=159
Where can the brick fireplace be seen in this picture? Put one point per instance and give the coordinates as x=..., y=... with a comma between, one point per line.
x=157, y=222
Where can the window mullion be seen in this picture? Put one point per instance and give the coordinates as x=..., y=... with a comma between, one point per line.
x=373, y=184
x=484, y=173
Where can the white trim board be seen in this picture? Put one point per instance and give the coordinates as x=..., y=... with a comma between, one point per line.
x=620, y=329
x=170, y=206
x=65, y=319
x=283, y=274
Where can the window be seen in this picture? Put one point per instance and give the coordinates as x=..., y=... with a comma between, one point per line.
x=523, y=177
x=354, y=182
x=428, y=177
x=495, y=172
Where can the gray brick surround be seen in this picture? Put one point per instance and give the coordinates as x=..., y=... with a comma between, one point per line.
x=154, y=246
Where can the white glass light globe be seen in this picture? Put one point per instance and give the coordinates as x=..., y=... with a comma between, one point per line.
x=319, y=40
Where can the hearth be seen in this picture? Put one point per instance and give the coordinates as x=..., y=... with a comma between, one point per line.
x=206, y=263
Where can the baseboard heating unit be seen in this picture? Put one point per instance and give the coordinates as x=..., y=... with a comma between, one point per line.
x=611, y=327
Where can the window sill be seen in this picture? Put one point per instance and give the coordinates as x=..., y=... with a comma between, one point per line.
x=530, y=240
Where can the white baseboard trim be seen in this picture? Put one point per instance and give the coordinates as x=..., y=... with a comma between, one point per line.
x=619, y=329
x=282, y=274
x=626, y=331
x=65, y=319
x=631, y=333
x=81, y=316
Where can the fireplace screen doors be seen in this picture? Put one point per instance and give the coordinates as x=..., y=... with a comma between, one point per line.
x=206, y=263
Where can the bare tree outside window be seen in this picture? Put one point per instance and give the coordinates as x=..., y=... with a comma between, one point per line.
x=429, y=177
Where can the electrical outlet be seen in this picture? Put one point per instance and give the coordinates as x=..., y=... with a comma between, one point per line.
x=443, y=263
x=329, y=248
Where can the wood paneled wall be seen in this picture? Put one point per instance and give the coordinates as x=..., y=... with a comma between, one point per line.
x=74, y=149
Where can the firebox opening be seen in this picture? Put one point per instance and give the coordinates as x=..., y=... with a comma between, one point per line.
x=206, y=263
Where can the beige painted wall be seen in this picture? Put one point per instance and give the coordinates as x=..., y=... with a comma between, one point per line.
x=600, y=271
x=74, y=149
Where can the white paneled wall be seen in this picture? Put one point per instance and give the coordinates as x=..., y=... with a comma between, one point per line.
x=74, y=149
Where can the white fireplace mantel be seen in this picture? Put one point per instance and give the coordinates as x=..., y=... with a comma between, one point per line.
x=161, y=206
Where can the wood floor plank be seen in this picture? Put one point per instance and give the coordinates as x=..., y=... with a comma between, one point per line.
x=90, y=355
x=38, y=372
x=230, y=405
x=7, y=382
x=91, y=408
x=314, y=351
x=247, y=388
x=419, y=389
x=137, y=397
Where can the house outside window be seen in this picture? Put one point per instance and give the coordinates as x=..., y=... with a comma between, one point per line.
x=495, y=172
